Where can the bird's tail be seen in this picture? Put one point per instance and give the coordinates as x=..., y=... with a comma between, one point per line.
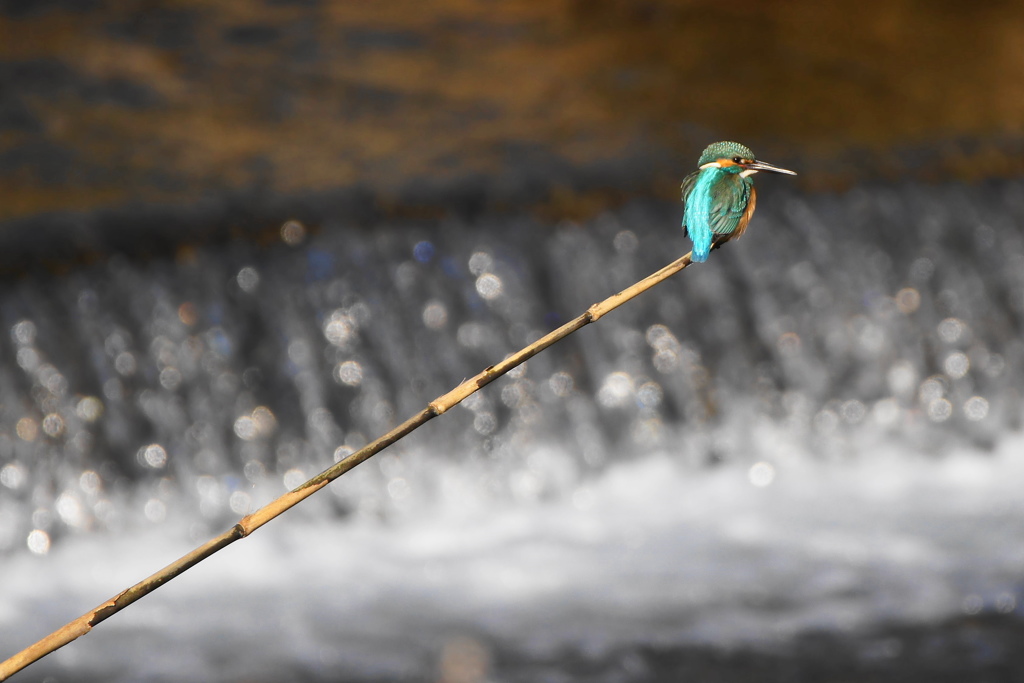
x=700, y=252
x=696, y=229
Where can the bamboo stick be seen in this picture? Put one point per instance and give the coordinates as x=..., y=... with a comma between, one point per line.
x=250, y=523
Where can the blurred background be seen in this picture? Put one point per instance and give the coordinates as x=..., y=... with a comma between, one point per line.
x=239, y=240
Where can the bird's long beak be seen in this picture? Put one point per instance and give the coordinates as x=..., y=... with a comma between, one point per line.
x=763, y=166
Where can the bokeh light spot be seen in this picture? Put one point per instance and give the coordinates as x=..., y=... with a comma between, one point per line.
x=339, y=328
x=155, y=510
x=245, y=428
x=188, y=314
x=38, y=542
x=902, y=378
x=852, y=412
x=23, y=333
x=89, y=409
x=27, y=359
x=248, y=279
x=293, y=478
x=489, y=286
x=293, y=233
x=625, y=242
x=480, y=262
x=90, y=482
x=153, y=456
x=976, y=408
x=13, y=475
x=973, y=604
x=561, y=384
x=666, y=361
x=399, y=489
x=266, y=421
x=27, y=429
x=1006, y=603
x=940, y=410
x=921, y=269
x=616, y=391
x=908, y=300
x=170, y=378
x=761, y=474
x=423, y=251
x=53, y=425
x=349, y=373
x=513, y=395
x=649, y=395
x=435, y=315
x=485, y=423
x=125, y=364
x=69, y=509
x=53, y=380
x=300, y=352
x=240, y=502
x=956, y=364
x=658, y=336
x=952, y=330
x=254, y=471
x=472, y=335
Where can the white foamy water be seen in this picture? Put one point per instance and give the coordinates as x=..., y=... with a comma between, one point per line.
x=649, y=552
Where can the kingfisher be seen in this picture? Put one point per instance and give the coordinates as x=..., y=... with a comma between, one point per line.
x=720, y=195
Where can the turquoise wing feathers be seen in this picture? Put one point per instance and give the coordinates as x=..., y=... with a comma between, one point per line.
x=715, y=203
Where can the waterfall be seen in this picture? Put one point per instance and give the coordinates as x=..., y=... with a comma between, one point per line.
x=816, y=429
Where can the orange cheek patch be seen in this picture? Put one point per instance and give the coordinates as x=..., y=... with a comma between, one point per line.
x=725, y=162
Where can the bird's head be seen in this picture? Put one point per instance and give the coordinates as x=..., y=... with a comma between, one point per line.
x=735, y=158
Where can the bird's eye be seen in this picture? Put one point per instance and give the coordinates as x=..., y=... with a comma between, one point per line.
x=737, y=159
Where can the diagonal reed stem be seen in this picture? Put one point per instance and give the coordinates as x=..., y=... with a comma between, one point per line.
x=250, y=523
